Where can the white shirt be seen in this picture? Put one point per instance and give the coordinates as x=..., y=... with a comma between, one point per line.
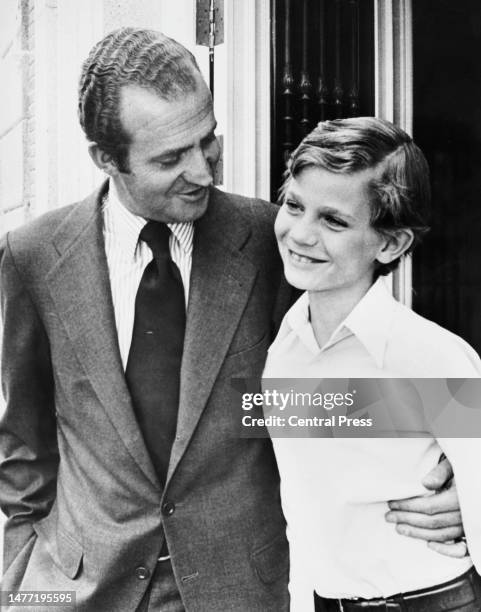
x=127, y=258
x=335, y=491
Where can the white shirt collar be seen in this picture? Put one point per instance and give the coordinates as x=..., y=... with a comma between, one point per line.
x=370, y=321
x=126, y=226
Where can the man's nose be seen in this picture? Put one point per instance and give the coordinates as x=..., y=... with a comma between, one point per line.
x=200, y=169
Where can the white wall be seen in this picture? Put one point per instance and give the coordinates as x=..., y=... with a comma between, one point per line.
x=43, y=155
x=12, y=116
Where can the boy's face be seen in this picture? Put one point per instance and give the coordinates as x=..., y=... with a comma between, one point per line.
x=324, y=232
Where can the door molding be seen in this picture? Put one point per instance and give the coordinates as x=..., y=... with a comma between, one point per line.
x=394, y=93
x=247, y=144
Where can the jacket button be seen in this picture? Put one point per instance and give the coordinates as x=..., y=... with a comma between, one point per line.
x=168, y=509
x=142, y=573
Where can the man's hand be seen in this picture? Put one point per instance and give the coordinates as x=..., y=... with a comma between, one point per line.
x=435, y=518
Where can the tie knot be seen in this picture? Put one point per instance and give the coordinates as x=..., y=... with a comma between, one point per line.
x=156, y=235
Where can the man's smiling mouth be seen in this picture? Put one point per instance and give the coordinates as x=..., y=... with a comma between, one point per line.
x=193, y=194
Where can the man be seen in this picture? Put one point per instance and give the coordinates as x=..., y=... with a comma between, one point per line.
x=124, y=477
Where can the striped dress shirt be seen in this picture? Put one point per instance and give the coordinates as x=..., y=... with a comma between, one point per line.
x=127, y=258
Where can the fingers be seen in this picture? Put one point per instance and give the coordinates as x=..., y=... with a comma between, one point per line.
x=445, y=501
x=430, y=535
x=425, y=521
x=456, y=549
x=439, y=476
x=434, y=518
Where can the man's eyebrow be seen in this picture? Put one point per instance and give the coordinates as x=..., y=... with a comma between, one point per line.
x=170, y=152
x=181, y=150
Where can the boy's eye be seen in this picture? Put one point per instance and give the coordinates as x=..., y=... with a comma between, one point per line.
x=334, y=221
x=293, y=206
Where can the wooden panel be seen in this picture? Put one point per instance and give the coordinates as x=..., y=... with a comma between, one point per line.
x=305, y=84
x=447, y=120
x=322, y=68
x=287, y=85
x=322, y=89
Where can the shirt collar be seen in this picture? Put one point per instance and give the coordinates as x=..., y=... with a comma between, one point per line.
x=126, y=226
x=370, y=321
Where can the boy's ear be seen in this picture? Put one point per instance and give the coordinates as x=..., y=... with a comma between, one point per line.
x=396, y=243
x=102, y=160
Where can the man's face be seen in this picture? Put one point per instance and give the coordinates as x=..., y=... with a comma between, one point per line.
x=172, y=154
x=325, y=235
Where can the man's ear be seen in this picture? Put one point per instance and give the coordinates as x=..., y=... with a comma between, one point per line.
x=396, y=243
x=102, y=160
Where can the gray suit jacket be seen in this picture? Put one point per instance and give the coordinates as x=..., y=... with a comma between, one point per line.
x=76, y=481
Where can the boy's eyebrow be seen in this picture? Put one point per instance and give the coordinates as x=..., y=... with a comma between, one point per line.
x=325, y=210
x=291, y=196
x=328, y=210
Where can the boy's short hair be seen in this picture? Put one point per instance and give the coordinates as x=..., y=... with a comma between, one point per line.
x=400, y=189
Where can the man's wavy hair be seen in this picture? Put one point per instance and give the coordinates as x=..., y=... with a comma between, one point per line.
x=400, y=189
x=124, y=57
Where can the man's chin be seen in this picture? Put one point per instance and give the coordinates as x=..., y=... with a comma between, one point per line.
x=186, y=212
x=192, y=213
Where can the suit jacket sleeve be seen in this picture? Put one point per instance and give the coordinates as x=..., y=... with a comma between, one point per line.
x=28, y=442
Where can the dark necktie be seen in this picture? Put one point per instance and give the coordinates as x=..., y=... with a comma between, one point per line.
x=153, y=366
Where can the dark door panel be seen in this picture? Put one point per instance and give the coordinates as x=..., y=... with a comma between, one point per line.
x=322, y=68
x=447, y=126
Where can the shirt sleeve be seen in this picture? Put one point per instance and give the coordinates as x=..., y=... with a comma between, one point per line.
x=463, y=419
x=465, y=457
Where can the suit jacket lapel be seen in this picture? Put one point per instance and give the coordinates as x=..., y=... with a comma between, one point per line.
x=80, y=287
x=221, y=282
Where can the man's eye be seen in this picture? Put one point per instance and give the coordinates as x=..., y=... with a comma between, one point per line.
x=168, y=162
x=208, y=140
x=335, y=222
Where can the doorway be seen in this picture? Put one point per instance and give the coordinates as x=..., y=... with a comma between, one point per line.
x=447, y=127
